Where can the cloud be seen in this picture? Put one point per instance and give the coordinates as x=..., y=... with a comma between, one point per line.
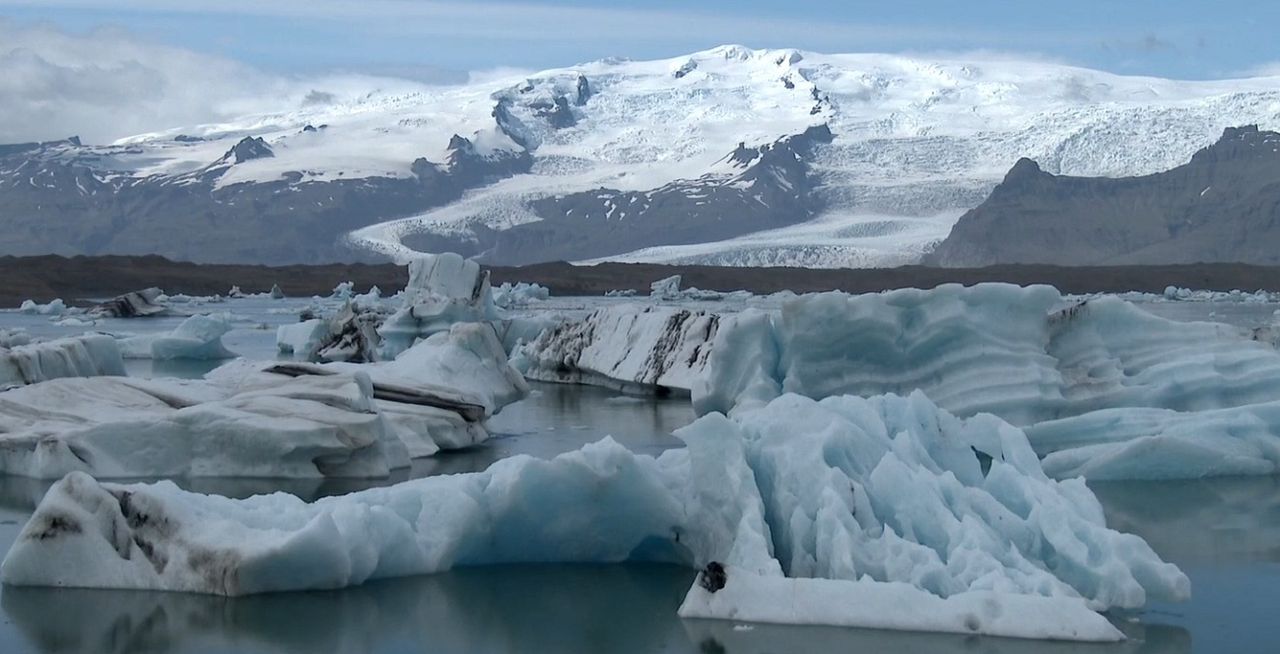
x=108, y=84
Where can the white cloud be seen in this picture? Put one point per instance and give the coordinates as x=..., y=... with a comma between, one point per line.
x=107, y=85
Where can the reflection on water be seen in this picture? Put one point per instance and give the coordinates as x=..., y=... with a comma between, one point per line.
x=545, y=608
x=1195, y=521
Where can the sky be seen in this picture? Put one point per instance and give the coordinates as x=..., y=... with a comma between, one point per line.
x=105, y=70
x=443, y=40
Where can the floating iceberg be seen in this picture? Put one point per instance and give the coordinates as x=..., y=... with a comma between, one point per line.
x=508, y=296
x=1026, y=355
x=198, y=337
x=823, y=505
x=668, y=289
x=90, y=355
x=55, y=308
x=303, y=339
x=123, y=427
x=436, y=395
x=443, y=289
x=14, y=336
x=633, y=348
x=134, y=304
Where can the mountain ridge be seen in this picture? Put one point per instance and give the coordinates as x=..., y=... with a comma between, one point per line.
x=913, y=144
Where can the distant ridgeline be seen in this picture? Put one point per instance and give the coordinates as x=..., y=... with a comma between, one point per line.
x=728, y=156
x=1222, y=206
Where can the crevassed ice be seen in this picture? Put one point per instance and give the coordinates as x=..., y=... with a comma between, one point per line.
x=825, y=504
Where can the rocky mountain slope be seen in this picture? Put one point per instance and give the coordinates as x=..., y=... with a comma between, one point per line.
x=1223, y=205
x=730, y=155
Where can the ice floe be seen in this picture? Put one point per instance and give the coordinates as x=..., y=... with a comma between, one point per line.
x=197, y=337
x=826, y=506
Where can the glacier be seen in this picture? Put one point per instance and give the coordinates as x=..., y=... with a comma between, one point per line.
x=822, y=504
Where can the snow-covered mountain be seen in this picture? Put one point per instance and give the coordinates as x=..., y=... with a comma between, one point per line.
x=727, y=156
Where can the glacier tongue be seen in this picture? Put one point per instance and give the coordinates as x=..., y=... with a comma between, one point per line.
x=825, y=504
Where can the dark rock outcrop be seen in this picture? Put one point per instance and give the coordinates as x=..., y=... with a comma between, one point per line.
x=1222, y=206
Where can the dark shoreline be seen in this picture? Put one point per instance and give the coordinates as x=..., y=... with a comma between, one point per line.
x=43, y=278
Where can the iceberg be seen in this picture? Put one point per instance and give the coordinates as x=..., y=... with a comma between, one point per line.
x=122, y=427
x=90, y=355
x=1027, y=355
x=436, y=395
x=668, y=289
x=134, y=304
x=632, y=348
x=55, y=308
x=443, y=289
x=882, y=512
x=303, y=339
x=197, y=337
x=510, y=296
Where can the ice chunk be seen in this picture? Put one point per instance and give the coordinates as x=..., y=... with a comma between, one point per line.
x=134, y=304
x=816, y=512
x=508, y=296
x=90, y=355
x=634, y=348
x=1162, y=444
x=748, y=597
x=302, y=339
x=443, y=289
x=198, y=337
x=14, y=336
x=1025, y=354
x=276, y=293
x=55, y=308
x=436, y=395
x=120, y=427
x=667, y=288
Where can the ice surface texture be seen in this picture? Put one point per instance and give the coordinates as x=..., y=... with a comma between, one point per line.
x=887, y=499
x=79, y=356
x=1029, y=356
x=245, y=422
x=198, y=337
x=627, y=347
x=443, y=289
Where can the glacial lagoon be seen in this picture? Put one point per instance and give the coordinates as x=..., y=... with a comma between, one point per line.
x=1224, y=533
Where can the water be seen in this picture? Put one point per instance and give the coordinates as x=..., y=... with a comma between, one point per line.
x=1224, y=533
